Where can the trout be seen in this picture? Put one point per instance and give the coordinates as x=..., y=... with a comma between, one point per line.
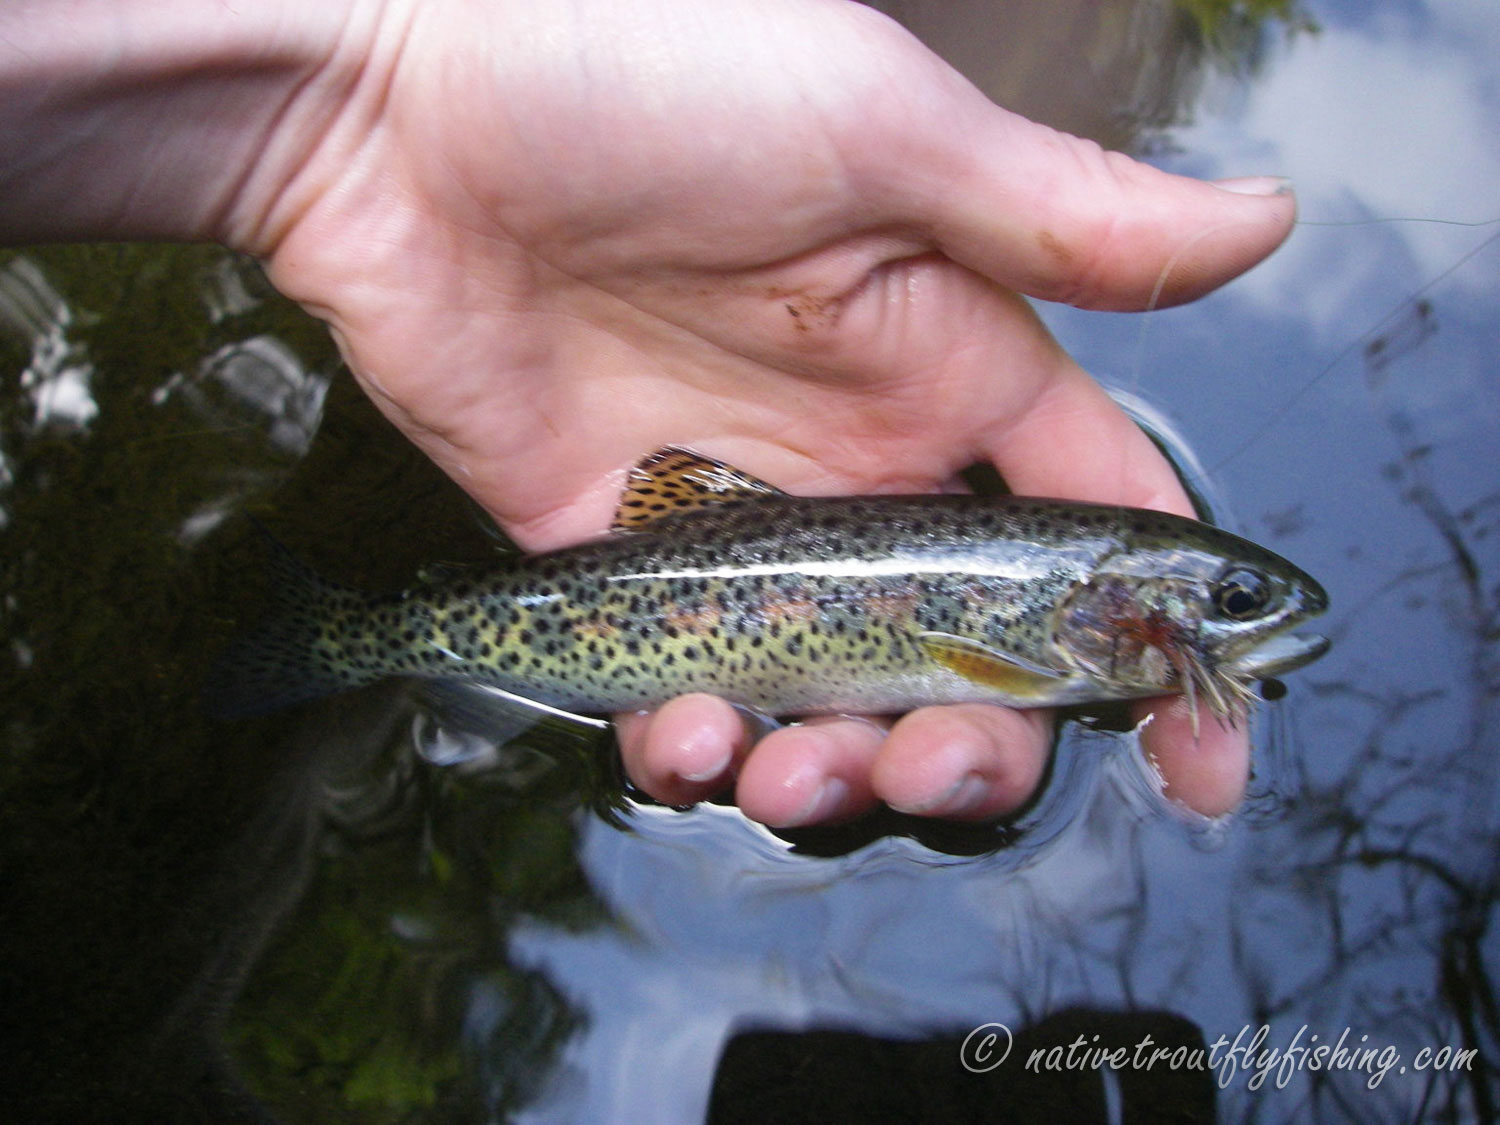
x=711, y=580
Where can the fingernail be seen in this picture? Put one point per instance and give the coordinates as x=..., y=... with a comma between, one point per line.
x=968, y=794
x=1255, y=185
x=704, y=761
x=827, y=800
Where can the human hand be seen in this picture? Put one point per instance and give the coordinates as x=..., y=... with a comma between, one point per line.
x=550, y=238
x=784, y=235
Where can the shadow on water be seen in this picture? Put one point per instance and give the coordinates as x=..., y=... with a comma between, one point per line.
x=300, y=918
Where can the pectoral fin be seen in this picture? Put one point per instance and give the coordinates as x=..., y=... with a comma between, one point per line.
x=980, y=664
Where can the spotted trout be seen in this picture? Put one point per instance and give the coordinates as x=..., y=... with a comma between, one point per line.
x=712, y=580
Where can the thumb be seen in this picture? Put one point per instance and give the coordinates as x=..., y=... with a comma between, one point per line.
x=1059, y=218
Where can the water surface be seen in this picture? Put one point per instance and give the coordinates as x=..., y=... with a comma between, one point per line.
x=300, y=919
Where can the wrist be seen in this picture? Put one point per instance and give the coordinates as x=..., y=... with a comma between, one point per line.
x=173, y=119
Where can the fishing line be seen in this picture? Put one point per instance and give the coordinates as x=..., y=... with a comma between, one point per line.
x=1138, y=364
x=1146, y=415
x=1152, y=302
x=1362, y=340
x=1396, y=219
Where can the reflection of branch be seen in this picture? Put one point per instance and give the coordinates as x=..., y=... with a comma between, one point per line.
x=1434, y=863
x=1414, y=328
x=1410, y=332
x=1483, y=618
x=1466, y=985
x=1376, y=857
x=1464, y=978
x=1426, y=499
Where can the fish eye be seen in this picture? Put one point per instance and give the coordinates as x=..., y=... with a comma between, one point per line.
x=1241, y=594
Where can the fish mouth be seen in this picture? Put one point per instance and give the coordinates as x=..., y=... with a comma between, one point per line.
x=1280, y=654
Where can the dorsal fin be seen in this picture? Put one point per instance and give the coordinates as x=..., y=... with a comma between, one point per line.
x=672, y=481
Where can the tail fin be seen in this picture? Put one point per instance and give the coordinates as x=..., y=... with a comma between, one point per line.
x=287, y=659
